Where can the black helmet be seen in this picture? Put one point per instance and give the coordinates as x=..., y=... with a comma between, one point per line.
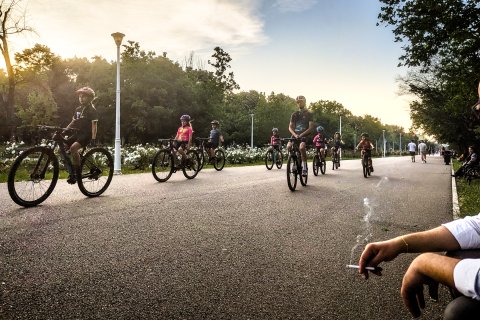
x=215, y=122
x=185, y=117
x=364, y=134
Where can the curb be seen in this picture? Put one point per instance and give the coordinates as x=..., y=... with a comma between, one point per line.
x=455, y=206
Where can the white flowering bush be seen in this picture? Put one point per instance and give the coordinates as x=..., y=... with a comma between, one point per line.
x=8, y=152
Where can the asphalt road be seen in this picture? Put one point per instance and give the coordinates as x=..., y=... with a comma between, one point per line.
x=235, y=244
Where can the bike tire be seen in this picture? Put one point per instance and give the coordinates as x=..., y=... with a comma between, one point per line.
x=323, y=166
x=292, y=173
x=162, y=165
x=27, y=185
x=96, y=172
x=337, y=162
x=365, y=167
x=315, y=165
x=303, y=179
x=201, y=157
x=269, y=159
x=279, y=158
x=219, y=160
x=191, y=165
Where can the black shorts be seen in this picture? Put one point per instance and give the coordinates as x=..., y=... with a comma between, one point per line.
x=83, y=139
x=180, y=144
x=211, y=145
x=412, y=153
x=368, y=151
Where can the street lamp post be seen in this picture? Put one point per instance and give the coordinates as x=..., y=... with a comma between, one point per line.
x=117, y=166
x=400, y=143
x=251, y=140
x=384, y=143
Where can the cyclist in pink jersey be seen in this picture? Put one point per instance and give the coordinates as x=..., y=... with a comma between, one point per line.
x=183, y=139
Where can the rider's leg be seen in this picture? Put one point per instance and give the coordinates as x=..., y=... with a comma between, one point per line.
x=75, y=155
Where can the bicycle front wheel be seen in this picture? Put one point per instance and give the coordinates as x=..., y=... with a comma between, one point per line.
x=323, y=166
x=337, y=161
x=191, y=166
x=201, y=158
x=269, y=159
x=365, y=167
x=292, y=173
x=33, y=176
x=316, y=165
x=219, y=160
x=162, y=165
x=96, y=172
x=279, y=160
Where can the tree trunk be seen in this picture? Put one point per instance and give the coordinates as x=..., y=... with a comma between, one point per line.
x=10, y=103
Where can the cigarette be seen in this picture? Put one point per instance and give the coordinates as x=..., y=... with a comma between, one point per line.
x=354, y=266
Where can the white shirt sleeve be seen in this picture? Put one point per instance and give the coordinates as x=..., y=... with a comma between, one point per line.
x=466, y=274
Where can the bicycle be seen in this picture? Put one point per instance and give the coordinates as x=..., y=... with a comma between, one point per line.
x=273, y=156
x=294, y=165
x=219, y=159
x=34, y=173
x=335, y=159
x=166, y=162
x=319, y=162
x=366, y=167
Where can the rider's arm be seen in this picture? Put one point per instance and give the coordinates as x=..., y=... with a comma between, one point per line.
x=292, y=129
x=220, y=140
x=190, y=134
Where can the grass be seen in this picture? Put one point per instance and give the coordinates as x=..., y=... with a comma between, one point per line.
x=468, y=199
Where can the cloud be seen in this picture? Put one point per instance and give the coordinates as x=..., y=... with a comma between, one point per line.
x=294, y=5
x=73, y=28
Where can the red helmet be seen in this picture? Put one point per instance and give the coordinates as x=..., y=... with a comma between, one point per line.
x=86, y=90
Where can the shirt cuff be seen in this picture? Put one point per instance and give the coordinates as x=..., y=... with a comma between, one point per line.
x=466, y=278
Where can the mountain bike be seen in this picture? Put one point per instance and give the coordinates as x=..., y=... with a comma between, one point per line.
x=319, y=162
x=366, y=167
x=294, y=165
x=335, y=158
x=273, y=156
x=219, y=159
x=166, y=162
x=34, y=173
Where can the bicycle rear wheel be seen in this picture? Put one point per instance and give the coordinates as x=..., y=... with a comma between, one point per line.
x=279, y=160
x=33, y=176
x=162, y=165
x=191, y=165
x=96, y=172
x=219, y=160
x=365, y=166
x=323, y=166
x=292, y=173
x=315, y=164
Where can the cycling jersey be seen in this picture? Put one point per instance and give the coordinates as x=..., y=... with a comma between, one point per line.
x=301, y=120
x=319, y=141
x=184, y=133
x=365, y=144
x=83, y=117
x=275, y=140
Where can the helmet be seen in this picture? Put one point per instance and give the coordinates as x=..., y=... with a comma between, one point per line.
x=215, y=122
x=86, y=90
x=364, y=134
x=300, y=98
x=275, y=130
x=337, y=132
x=185, y=117
x=319, y=129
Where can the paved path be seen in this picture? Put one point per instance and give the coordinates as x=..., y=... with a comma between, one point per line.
x=226, y=245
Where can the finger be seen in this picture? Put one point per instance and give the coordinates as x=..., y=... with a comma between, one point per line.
x=410, y=301
x=433, y=291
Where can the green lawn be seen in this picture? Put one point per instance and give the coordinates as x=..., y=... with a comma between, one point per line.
x=468, y=198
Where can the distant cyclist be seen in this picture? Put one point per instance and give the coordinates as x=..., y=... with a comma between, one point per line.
x=183, y=139
x=275, y=140
x=214, y=140
x=337, y=143
x=300, y=126
x=365, y=145
x=320, y=142
x=85, y=121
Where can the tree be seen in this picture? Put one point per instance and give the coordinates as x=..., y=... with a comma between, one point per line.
x=12, y=22
x=221, y=64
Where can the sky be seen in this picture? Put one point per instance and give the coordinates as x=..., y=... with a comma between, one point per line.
x=322, y=49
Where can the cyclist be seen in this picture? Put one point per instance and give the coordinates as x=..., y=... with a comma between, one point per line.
x=275, y=140
x=214, y=140
x=300, y=126
x=337, y=143
x=319, y=142
x=84, y=121
x=366, y=146
x=183, y=139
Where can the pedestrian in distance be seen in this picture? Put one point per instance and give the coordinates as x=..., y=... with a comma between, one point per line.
x=422, y=148
x=412, y=148
x=459, y=269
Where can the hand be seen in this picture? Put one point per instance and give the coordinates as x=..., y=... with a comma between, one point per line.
x=412, y=286
x=377, y=252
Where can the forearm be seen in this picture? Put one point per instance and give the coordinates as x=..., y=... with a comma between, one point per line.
x=434, y=240
x=94, y=130
x=437, y=267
